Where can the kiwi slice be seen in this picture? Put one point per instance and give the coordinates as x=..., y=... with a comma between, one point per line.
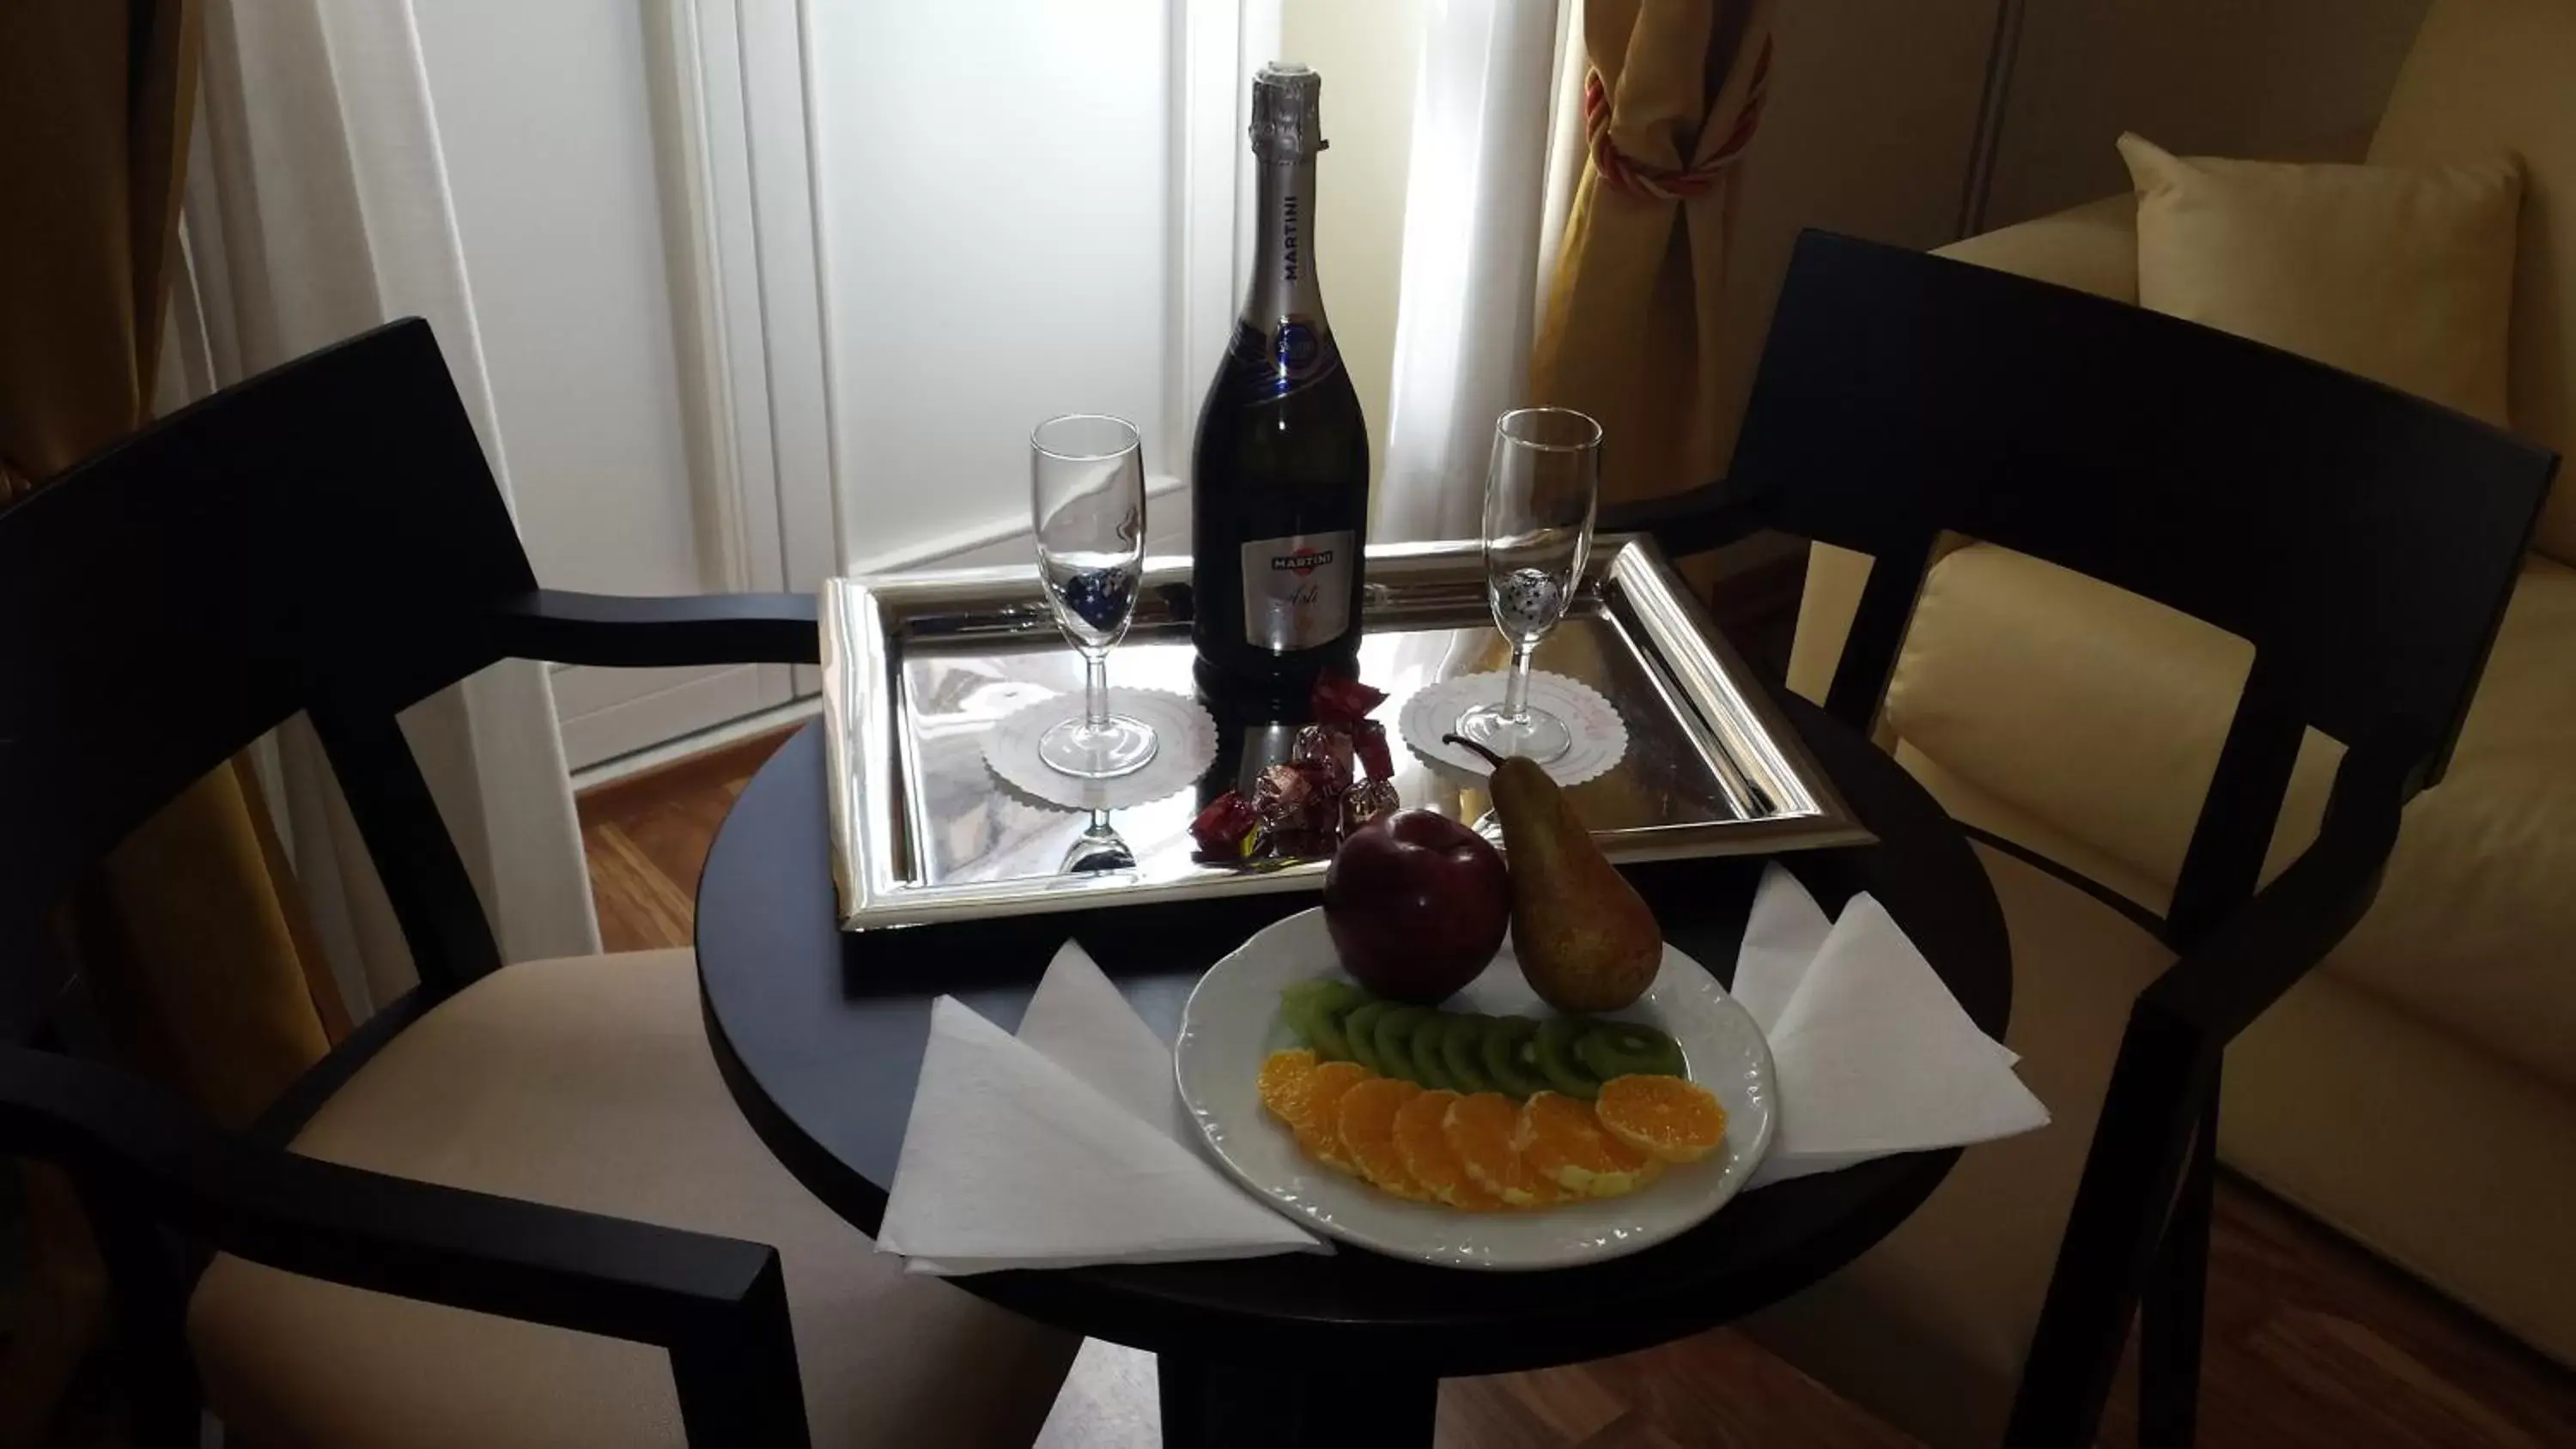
x=1556, y=1059
x=1430, y=1066
x=1359, y=1033
x=1509, y=1055
x=1294, y=1008
x=1462, y=1043
x=1315, y=1010
x=1392, y=1036
x=1625, y=1049
x=1334, y=1002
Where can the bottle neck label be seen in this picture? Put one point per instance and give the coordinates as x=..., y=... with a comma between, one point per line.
x=1282, y=343
x=1283, y=246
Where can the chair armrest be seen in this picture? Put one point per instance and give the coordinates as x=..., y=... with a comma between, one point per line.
x=623, y=632
x=719, y=1305
x=2092, y=248
x=2159, y=1098
x=2291, y=924
x=1693, y=521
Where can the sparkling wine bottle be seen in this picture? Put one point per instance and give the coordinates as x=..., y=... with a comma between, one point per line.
x=1279, y=509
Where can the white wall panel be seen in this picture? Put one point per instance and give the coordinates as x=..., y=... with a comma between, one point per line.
x=544, y=120
x=993, y=209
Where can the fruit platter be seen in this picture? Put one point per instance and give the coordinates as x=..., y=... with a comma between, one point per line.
x=1477, y=1061
x=1236, y=1025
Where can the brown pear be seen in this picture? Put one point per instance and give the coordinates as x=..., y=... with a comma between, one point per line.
x=1585, y=938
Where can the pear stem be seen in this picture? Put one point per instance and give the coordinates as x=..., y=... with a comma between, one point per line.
x=1464, y=743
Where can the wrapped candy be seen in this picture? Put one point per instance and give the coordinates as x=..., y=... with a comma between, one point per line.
x=1283, y=794
x=1225, y=829
x=1325, y=753
x=1341, y=700
x=1298, y=815
x=1366, y=801
x=1306, y=805
x=1368, y=738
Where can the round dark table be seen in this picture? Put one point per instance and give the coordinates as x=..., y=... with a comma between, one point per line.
x=820, y=1035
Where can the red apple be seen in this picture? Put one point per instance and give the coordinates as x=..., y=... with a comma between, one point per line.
x=1417, y=904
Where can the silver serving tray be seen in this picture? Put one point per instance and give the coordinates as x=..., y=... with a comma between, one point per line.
x=917, y=667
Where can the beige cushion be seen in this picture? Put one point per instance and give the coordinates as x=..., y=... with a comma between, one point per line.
x=1928, y=1328
x=2091, y=708
x=2488, y=77
x=2319, y=1086
x=2092, y=248
x=2101, y=715
x=2444, y=1158
x=588, y=1083
x=2403, y=274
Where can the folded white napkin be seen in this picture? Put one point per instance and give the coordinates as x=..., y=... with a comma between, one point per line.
x=1062, y=1146
x=1873, y=1053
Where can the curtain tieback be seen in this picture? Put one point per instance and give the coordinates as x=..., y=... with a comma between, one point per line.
x=1665, y=183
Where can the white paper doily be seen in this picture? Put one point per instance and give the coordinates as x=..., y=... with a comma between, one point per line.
x=1185, y=745
x=1600, y=737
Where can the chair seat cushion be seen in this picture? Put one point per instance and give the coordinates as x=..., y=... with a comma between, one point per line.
x=588, y=1083
x=2100, y=715
x=1928, y=1328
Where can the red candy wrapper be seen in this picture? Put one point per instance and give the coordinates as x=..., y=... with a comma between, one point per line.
x=1339, y=700
x=1324, y=752
x=1366, y=801
x=1225, y=827
x=1368, y=737
x=1283, y=794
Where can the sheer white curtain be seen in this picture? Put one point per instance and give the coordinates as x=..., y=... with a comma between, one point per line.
x=316, y=207
x=1477, y=240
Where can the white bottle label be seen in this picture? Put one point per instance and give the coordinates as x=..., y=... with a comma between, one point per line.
x=1297, y=590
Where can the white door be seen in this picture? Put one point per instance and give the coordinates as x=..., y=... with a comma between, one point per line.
x=584, y=205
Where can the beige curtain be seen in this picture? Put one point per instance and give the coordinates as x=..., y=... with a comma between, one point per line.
x=189, y=935
x=1630, y=331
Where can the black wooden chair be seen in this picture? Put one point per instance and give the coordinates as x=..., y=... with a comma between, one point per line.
x=545, y=1145
x=2362, y=540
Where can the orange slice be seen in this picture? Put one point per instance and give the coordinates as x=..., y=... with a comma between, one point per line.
x=1563, y=1142
x=1368, y=1133
x=1484, y=1130
x=1317, y=1120
x=1422, y=1136
x=1666, y=1117
x=1283, y=1076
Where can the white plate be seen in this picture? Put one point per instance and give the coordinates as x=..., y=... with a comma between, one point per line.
x=1232, y=1022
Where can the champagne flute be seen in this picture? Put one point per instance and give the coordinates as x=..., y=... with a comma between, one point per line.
x=1540, y=494
x=1087, y=501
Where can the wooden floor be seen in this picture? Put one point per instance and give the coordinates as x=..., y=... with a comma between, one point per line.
x=2311, y=1341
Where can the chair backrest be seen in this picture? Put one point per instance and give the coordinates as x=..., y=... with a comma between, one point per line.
x=325, y=537
x=2362, y=540
x=2488, y=78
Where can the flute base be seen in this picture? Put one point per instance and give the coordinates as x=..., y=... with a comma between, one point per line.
x=1451, y=707
x=1533, y=735
x=1119, y=745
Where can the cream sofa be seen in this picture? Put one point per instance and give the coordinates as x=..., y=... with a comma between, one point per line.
x=2419, y=1091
